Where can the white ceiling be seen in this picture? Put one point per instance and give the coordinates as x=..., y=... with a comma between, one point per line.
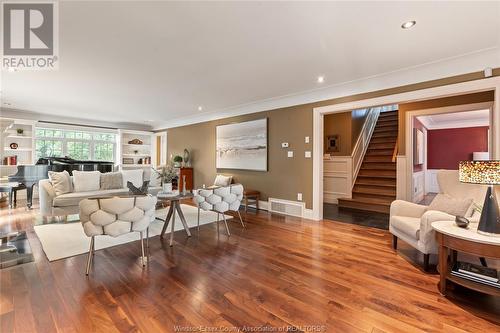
x=456, y=119
x=154, y=63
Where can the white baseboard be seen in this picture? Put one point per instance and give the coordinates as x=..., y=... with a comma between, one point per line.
x=264, y=205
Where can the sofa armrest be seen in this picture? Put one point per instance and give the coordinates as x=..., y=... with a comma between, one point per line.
x=406, y=208
x=426, y=231
x=47, y=193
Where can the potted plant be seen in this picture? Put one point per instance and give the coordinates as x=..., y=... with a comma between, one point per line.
x=166, y=174
x=20, y=131
x=177, y=161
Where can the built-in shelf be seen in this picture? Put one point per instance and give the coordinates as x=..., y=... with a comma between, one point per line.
x=135, y=145
x=136, y=155
x=18, y=149
x=136, y=165
x=19, y=137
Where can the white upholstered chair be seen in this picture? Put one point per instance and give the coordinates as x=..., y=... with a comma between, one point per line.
x=116, y=216
x=411, y=222
x=220, y=200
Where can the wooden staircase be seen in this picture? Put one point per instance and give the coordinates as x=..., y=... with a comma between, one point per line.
x=375, y=186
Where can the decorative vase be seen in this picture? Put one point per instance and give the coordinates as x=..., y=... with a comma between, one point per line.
x=167, y=187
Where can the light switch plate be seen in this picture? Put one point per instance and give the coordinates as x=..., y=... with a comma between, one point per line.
x=307, y=154
x=290, y=153
x=307, y=139
x=284, y=145
x=299, y=196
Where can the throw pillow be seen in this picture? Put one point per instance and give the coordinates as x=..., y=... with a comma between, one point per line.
x=111, y=180
x=61, y=182
x=143, y=190
x=85, y=181
x=134, y=176
x=453, y=206
x=222, y=180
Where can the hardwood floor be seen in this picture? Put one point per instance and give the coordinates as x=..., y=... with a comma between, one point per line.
x=278, y=272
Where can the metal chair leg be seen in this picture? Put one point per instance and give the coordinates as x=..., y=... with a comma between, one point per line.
x=90, y=255
x=217, y=224
x=198, y=226
x=147, y=242
x=225, y=223
x=142, y=250
x=241, y=220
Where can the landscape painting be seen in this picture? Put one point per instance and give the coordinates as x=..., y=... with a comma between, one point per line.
x=242, y=146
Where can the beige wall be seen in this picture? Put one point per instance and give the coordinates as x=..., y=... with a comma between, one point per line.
x=286, y=176
x=339, y=124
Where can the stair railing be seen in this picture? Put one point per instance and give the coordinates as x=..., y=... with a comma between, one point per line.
x=359, y=151
x=395, y=152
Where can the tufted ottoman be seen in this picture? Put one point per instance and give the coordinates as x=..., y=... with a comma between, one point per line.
x=116, y=216
x=220, y=200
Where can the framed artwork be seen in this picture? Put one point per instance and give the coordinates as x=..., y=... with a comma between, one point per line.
x=418, y=147
x=242, y=145
x=333, y=143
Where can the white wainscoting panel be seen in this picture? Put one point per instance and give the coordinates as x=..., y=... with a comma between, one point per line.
x=401, y=190
x=418, y=186
x=431, y=183
x=337, y=178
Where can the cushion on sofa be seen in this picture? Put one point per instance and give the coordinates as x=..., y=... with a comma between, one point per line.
x=74, y=198
x=407, y=225
x=111, y=180
x=453, y=206
x=134, y=176
x=61, y=182
x=85, y=181
x=222, y=180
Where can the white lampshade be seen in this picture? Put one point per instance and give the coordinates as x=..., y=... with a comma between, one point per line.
x=480, y=156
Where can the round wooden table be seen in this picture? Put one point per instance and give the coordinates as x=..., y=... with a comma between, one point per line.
x=451, y=237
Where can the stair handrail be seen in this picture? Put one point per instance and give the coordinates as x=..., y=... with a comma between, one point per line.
x=363, y=141
x=395, y=152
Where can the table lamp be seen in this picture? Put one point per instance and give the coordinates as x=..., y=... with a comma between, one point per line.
x=487, y=173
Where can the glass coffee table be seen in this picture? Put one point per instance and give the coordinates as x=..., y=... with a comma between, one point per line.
x=175, y=207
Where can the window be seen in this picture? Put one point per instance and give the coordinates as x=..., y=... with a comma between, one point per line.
x=77, y=144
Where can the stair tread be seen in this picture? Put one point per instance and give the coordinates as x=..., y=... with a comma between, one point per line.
x=374, y=190
x=367, y=180
x=373, y=201
x=377, y=173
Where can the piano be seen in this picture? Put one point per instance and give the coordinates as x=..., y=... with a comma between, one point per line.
x=29, y=175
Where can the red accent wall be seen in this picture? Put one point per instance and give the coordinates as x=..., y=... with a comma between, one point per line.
x=447, y=147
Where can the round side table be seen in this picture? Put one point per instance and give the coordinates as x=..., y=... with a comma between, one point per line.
x=451, y=237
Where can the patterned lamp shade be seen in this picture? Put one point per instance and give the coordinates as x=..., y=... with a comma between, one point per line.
x=480, y=172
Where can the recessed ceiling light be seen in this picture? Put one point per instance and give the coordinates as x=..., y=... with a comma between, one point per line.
x=200, y=108
x=408, y=24
x=321, y=79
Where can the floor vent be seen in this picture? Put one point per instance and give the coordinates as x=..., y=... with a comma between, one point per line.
x=286, y=207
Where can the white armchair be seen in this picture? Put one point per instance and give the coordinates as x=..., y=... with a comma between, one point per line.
x=412, y=222
x=220, y=200
x=117, y=216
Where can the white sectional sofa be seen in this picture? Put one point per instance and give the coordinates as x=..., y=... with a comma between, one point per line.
x=53, y=204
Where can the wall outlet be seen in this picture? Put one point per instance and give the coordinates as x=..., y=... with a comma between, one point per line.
x=284, y=145
x=307, y=154
x=290, y=153
x=299, y=196
x=307, y=139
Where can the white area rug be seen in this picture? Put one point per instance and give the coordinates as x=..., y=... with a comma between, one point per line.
x=63, y=240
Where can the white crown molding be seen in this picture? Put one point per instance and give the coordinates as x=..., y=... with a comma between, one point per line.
x=459, y=124
x=29, y=115
x=463, y=64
